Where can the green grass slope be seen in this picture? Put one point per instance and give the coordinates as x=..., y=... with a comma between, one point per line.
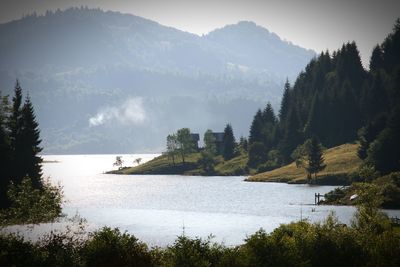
x=164, y=165
x=340, y=162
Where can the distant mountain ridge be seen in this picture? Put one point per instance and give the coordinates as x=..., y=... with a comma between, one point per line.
x=82, y=62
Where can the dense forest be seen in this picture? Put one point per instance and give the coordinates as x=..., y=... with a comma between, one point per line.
x=337, y=101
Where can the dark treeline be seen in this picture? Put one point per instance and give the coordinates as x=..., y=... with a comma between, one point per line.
x=19, y=144
x=336, y=100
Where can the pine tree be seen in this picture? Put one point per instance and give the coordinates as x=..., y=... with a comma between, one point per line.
x=376, y=61
x=315, y=159
x=15, y=126
x=256, y=128
x=269, y=123
x=228, y=143
x=285, y=102
x=30, y=145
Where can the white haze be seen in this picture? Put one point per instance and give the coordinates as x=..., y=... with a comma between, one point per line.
x=130, y=112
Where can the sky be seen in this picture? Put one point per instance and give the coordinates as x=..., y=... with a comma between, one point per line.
x=312, y=24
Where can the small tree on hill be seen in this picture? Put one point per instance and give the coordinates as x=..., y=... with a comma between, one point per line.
x=118, y=162
x=315, y=158
x=138, y=160
x=185, y=142
x=172, y=147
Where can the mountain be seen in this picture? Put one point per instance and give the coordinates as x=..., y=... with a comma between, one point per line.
x=106, y=82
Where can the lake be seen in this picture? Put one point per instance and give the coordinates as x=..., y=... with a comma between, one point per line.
x=158, y=208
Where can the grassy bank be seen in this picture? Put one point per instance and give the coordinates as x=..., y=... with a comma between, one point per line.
x=164, y=165
x=341, y=162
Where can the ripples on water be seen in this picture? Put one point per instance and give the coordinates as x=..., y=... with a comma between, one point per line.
x=157, y=208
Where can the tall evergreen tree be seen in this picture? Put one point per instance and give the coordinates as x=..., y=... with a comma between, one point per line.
x=15, y=126
x=376, y=61
x=30, y=144
x=269, y=123
x=256, y=128
x=315, y=159
x=285, y=102
x=228, y=143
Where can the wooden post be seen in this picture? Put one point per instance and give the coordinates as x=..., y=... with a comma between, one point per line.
x=317, y=197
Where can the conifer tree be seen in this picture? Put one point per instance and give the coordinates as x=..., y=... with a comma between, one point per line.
x=269, y=122
x=256, y=128
x=315, y=159
x=228, y=143
x=15, y=126
x=376, y=61
x=285, y=102
x=30, y=145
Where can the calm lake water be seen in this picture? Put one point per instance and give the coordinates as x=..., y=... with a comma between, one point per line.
x=158, y=208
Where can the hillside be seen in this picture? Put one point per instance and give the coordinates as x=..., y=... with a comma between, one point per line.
x=99, y=78
x=163, y=165
x=341, y=161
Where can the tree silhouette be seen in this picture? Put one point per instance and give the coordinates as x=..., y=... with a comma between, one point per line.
x=30, y=145
x=228, y=143
x=315, y=159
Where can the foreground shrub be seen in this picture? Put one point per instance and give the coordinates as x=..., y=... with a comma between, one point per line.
x=31, y=205
x=110, y=247
x=193, y=252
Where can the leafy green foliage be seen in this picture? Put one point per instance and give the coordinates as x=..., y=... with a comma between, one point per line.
x=370, y=240
x=185, y=142
x=32, y=205
x=207, y=162
x=110, y=247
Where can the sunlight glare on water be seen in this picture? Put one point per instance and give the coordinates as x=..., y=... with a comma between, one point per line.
x=157, y=208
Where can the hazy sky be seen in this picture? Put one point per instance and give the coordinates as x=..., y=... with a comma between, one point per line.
x=315, y=24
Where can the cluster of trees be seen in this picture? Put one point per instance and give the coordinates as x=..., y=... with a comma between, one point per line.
x=332, y=99
x=182, y=143
x=371, y=240
x=380, y=136
x=19, y=144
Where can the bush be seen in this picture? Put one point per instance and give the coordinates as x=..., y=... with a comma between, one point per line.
x=194, y=253
x=110, y=247
x=30, y=205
